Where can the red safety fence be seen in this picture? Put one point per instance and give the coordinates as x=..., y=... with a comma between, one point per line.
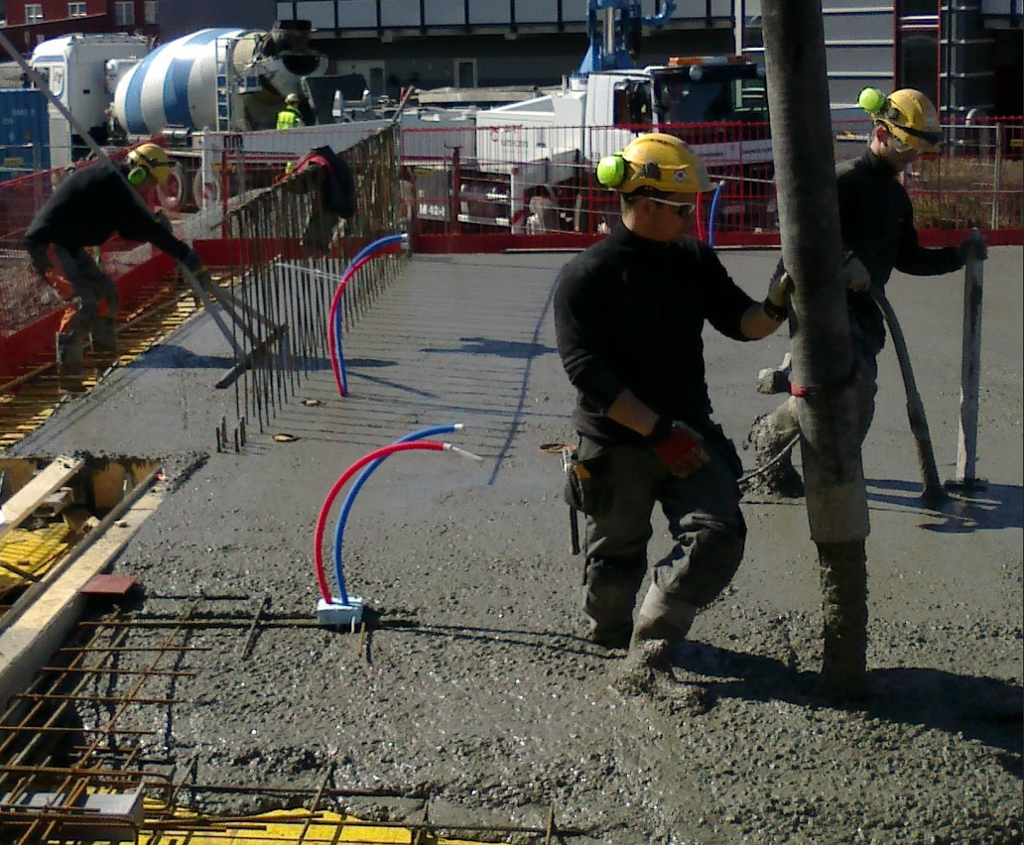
x=203, y=213
x=474, y=185
x=469, y=187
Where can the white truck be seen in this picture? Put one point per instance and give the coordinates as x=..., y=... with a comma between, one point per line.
x=530, y=165
x=82, y=71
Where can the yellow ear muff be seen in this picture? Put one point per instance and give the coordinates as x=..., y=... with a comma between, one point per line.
x=611, y=170
x=137, y=175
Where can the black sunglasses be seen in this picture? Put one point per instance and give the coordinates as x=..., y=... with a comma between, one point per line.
x=683, y=209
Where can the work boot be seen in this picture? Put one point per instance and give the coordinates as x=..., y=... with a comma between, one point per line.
x=663, y=617
x=70, y=358
x=773, y=473
x=608, y=598
x=610, y=636
x=104, y=337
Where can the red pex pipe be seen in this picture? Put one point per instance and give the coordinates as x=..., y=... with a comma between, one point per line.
x=336, y=303
x=321, y=521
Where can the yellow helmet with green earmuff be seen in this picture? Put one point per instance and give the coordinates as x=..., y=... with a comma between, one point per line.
x=655, y=161
x=148, y=160
x=909, y=116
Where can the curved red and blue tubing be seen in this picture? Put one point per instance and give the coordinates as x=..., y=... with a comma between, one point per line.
x=321, y=522
x=713, y=213
x=382, y=246
x=346, y=506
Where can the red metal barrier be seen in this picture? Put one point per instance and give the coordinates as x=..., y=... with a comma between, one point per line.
x=483, y=183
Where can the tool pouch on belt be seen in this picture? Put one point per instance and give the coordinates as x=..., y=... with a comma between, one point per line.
x=584, y=490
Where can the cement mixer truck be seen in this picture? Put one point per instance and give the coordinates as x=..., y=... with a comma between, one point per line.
x=227, y=80
x=220, y=79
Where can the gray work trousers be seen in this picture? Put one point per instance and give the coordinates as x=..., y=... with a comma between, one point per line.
x=623, y=484
x=89, y=284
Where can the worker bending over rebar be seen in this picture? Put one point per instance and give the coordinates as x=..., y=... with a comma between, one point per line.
x=88, y=207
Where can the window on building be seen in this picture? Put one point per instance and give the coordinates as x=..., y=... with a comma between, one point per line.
x=150, y=11
x=33, y=12
x=77, y=10
x=465, y=73
x=124, y=14
x=917, y=47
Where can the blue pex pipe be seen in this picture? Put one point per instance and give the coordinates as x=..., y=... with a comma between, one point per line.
x=365, y=252
x=358, y=483
x=713, y=213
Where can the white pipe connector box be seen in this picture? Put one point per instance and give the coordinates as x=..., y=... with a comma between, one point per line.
x=333, y=614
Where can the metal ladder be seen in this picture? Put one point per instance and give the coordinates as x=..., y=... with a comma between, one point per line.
x=223, y=51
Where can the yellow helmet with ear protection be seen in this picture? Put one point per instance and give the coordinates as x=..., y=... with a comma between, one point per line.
x=657, y=161
x=911, y=118
x=149, y=160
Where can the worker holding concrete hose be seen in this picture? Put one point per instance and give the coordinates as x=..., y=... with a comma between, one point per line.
x=629, y=312
x=876, y=222
x=88, y=207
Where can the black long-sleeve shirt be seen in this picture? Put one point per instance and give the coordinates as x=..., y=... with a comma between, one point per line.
x=89, y=206
x=876, y=220
x=629, y=313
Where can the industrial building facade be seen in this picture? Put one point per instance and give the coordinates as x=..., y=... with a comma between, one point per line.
x=966, y=55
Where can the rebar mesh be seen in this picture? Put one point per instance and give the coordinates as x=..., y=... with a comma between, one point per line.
x=290, y=252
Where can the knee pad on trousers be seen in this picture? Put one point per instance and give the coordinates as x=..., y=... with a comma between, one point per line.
x=699, y=573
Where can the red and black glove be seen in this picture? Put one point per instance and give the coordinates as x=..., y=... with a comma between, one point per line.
x=679, y=446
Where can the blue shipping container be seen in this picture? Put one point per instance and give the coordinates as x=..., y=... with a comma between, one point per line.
x=24, y=132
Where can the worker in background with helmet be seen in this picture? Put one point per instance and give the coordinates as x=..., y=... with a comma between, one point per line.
x=290, y=117
x=89, y=206
x=629, y=312
x=876, y=221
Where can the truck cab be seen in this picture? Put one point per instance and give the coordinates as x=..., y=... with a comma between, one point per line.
x=541, y=153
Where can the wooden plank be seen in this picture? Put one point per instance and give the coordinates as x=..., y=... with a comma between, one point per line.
x=29, y=639
x=23, y=503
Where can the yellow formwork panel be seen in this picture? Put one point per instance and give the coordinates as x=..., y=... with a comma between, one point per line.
x=286, y=827
x=31, y=552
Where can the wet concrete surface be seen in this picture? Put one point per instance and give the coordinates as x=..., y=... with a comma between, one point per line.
x=478, y=687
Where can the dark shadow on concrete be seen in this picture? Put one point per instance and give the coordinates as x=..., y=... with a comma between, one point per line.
x=394, y=385
x=996, y=506
x=558, y=641
x=980, y=708
x=367, y=363
x=171, y=357
x=502, y=348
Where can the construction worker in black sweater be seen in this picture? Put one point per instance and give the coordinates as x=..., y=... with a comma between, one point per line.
x=629, y=312
x=876, y=221
x=87, y=208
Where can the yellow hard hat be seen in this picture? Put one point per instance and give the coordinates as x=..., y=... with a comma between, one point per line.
x=153, y=159
x=911, y=118
x=657, y=161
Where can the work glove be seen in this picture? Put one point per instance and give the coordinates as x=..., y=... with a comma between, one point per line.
x=855, y=275
x=160, y=216
x=972, y=247
x=194, y=262
x=679, y=447
x=776, y=304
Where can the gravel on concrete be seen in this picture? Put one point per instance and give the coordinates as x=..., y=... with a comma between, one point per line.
x=477, y=686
